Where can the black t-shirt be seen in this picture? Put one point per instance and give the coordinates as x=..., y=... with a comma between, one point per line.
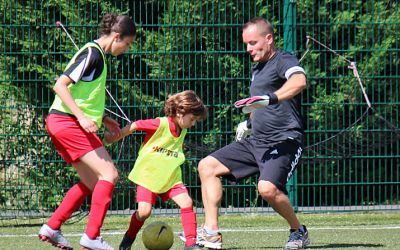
x=87, y=66
x=276, y=122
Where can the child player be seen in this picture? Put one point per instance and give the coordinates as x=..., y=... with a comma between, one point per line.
x=157, y=169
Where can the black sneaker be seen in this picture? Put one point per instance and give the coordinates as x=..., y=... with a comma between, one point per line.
x=126, y=242
x=297, y=239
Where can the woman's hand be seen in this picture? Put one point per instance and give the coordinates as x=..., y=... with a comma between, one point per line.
x=88, y=125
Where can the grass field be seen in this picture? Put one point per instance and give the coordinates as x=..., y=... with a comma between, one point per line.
x=251, y=231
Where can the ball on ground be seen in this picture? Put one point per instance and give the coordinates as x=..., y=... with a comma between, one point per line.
x=158, y=235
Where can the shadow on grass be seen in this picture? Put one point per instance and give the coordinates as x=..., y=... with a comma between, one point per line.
x=339, y=245
x=22, y=225
x=344, y=245
x=246, y=247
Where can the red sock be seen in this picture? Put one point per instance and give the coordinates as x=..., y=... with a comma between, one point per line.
x=101, y=199
x=72, y=201
x=189, y=224
x=134, y=226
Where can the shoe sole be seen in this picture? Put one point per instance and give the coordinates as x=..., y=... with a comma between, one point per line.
x=305, y=244
x=86, y=248
x=210, y=245
x=182, y=238
x=47, y=239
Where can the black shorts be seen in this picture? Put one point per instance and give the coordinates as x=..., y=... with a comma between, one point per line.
x=274, y=162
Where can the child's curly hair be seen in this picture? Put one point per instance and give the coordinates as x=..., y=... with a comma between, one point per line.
x=185, y=102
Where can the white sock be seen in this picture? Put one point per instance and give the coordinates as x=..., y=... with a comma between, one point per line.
x=210, y=231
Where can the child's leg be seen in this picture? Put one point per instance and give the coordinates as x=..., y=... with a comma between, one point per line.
x=145, y=199
x=188, y=217
x=138, y=218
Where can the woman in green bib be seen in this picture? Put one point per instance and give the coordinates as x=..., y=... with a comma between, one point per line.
x=74, y=118
x=157, y=170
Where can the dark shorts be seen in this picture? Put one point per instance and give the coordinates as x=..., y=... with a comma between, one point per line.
x=274, y=162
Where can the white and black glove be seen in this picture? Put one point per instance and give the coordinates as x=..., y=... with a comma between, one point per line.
x=243, y=130
x=256, y=102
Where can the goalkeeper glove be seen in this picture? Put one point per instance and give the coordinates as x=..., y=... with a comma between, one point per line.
x=243, y=130
x=256, y=102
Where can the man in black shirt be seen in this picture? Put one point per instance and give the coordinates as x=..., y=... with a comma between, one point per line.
x=269, y=143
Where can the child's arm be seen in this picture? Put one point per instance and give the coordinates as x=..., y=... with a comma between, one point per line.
x=125, y=131
x=128, y=129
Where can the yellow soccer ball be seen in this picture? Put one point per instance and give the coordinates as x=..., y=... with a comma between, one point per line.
x=158, y=235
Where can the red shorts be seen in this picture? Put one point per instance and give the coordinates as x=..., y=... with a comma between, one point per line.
x=145, y=195
x=70, y=140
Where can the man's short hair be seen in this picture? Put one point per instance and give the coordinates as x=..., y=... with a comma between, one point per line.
x=263, y=26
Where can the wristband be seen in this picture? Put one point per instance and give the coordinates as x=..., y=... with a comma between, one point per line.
x=248, y=123
x=273, y=99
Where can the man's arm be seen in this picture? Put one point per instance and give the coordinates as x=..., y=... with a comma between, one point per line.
x=292, y=87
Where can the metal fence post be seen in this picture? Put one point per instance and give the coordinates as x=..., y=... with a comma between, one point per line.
x=289, y=38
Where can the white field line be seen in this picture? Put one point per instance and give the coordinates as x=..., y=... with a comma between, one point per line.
x=243, y=230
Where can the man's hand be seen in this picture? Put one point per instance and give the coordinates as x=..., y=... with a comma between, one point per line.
x=242, y=131
x=256, y=102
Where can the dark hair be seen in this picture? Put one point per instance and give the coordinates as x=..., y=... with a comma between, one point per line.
x=263, y=26
x=123, y=25
x=185, y=102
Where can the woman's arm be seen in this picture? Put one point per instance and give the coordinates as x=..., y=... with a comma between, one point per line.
x=61, y=88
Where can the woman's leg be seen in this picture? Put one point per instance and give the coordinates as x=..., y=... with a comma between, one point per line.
x=98, y=172
x=71, y=202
